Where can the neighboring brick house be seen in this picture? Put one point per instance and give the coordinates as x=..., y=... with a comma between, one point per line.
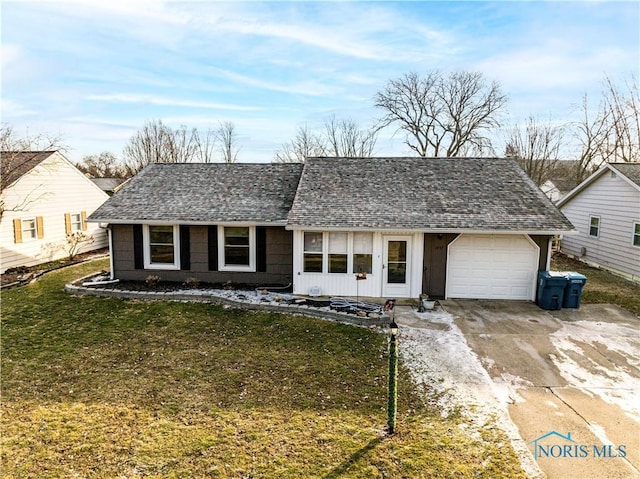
x=605, y=208
x=456, y=228
x=45, y=198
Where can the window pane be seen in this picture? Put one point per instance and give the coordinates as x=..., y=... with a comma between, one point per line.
x=338, y=243
x=313, y=242
x=312, y=263
x=162, y=254
x=595, y=221
x=593, y=231
x=363, y=243
x=362, y=263
x=337, y=263
x=161, y=235
x=237, y=232
x=236, y=255
x=397, y=251
x=397, y=273
x=29, y=229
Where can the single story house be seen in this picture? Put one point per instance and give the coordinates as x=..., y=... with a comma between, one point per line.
x=374, y=227
x=45, y=199
x=605, y=208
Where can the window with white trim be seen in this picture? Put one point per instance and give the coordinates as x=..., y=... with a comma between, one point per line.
x=337, y=252
x=636, y=234
x=594, y=226
x=76, y=222
x=238, y=248
x=29, y=229
x=313, y=253
x=161, y=246
x=363, y=253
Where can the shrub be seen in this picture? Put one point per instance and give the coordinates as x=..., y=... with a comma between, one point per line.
x=153, y=280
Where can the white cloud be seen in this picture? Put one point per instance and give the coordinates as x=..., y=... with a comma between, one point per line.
x=164, y=101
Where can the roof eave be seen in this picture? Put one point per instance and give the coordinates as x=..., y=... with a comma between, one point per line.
x=113, y=221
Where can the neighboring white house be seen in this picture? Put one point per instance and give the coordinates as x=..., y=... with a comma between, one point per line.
x=45, y=199
x=605, y=208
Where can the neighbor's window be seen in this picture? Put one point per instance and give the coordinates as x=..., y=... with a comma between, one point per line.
x=594, y=226
x=29, y=229
x=76, y=223
x=636, y=234
x=312, y=252
x=338, y=252
x=161, y=243
x=238, y=252
x=362, y=252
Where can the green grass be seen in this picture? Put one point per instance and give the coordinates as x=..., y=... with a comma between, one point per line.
x=95, y=387
x=601, y=286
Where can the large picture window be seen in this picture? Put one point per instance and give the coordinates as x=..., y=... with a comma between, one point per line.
x=161, y=247
x=238, y=251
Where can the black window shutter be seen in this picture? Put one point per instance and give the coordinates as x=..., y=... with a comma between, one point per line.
x=138, y=255
x=213, y=247
x=185, y=248
x=261, y=249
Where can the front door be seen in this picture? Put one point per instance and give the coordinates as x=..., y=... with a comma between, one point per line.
x=396, y=267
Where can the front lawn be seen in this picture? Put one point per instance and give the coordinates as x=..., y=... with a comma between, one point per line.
x=95, y=387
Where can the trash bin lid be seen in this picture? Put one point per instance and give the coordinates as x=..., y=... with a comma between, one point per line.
x=574, y=275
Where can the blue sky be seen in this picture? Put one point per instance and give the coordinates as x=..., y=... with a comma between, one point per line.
x=95, y=72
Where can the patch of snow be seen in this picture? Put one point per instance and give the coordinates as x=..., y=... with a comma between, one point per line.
x=616, y=384
x=442, y=361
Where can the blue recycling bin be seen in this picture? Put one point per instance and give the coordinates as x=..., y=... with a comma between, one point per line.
x=573, y=290
x=551, y=286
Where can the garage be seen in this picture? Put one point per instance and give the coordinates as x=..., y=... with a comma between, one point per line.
x=492, y=267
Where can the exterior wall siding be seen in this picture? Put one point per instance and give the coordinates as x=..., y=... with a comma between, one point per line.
x=617, y=203
x=51, y=189
x=279, y=254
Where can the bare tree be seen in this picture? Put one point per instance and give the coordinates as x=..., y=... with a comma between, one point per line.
x=156, y=142
x=443, y=115
x=536, y=146
x=104, y=165
x=346, y=139
x=612, y=132
x=17, y=154
x=228, y=139
x=340, y=138
x=304, y=145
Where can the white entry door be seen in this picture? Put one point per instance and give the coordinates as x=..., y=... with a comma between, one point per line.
x=396, y=267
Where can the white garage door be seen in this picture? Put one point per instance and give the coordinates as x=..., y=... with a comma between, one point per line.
x=492, y=267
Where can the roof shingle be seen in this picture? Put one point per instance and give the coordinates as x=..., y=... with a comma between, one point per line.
x=207, y=193
x=630, y=170
x=422, y=194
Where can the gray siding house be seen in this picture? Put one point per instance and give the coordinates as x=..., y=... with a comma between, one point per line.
x=605, y=208
x=374, y=227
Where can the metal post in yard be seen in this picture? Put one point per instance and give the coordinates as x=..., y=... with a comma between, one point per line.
x=393, y=377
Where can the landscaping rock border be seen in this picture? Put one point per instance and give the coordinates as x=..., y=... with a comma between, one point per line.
x=78, y=290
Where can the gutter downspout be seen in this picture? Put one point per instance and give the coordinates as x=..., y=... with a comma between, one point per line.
x=110, y=236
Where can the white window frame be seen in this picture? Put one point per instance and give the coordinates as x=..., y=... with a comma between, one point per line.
x=23, y=229
x=636, y=224
x=251, y=268
x=147, y=249
x=73, y=223
x=326, y=252
x=591, y=217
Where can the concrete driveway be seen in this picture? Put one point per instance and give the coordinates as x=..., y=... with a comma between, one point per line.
x=568, y=380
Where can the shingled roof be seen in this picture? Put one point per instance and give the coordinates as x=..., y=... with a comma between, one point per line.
x=204, y=193
x=630, y=170
x=422, y=194
x=15, y=164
